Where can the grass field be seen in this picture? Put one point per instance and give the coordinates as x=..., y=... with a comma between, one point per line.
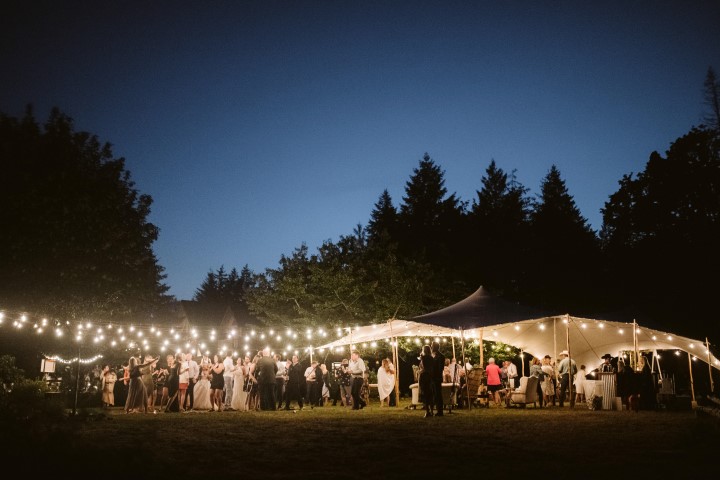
x=333, y=442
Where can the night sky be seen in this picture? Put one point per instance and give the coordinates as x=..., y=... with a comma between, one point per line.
x=257, y=126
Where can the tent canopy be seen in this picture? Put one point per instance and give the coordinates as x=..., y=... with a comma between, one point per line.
x=589, y=339
x=483, y=316
x=390, y=329
x=478, y=310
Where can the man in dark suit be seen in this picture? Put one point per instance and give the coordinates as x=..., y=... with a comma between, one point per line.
x=436, y=377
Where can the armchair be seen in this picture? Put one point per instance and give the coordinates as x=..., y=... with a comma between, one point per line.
x=525, y=393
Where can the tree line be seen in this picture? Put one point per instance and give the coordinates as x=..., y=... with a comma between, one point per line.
x=76, y=241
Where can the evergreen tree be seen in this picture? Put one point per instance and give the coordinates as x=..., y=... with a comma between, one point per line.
x=564, y=254
x=499, y=230
x=661, y=230
x=75, y=239
x=383, y=224
x=712, y=100
x=431, y=230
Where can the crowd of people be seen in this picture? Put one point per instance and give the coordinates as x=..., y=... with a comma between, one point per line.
x=265, y=382
x=635, y=386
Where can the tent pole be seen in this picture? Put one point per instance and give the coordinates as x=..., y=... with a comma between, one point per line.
x=635, y=344
x=462, y=350
x=692, y=383
x=482, y=353
x=453, y=346
x=707, y=346
x=397, y=371
x=522, y=361
x=571, y=399
x=557, y=377
x=657, y=360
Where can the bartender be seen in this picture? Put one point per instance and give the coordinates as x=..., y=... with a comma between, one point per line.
x=606, y=366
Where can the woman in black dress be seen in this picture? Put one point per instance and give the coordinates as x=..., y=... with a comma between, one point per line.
x=425, y=380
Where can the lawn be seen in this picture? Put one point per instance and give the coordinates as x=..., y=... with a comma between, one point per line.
x=333, y=442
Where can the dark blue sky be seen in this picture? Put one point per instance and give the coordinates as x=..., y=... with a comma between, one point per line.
x=257, y=126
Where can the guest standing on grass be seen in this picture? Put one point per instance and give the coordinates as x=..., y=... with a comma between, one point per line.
x=280, y=378
x=217, y=383
x=386, y=382
x=567, y=370
x=345, y=379
x=580, y=385
x=437, y=378
x=137, y=394
x=238, y=396
x=148, y=380
x=645, y=385
x=108, y=379
x=193, y=375
x=201, y=401
x=537, y=372
x=357, y=370
x=549, y=380
x=494, y=382
x=266, y=368
x=425, y=379
x=184, y=381
x=229, y=366
x=512, y=375
x=295, y=384
x=171, y=384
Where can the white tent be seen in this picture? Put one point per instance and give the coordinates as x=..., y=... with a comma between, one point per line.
x=388, y=330
x=587, y=339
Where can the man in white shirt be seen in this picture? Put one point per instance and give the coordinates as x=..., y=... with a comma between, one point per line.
x=357, y=370
x=193, y=374
x=280, y=377
x=228, y=377
x=512, y=374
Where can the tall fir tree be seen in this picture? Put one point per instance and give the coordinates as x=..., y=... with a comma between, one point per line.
x=499, y=232
x=431, y=228
x=564, y=254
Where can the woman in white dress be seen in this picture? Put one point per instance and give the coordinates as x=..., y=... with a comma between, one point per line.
x=548, y=385
x=238, y=401
x=201, y=400
x=386, y=381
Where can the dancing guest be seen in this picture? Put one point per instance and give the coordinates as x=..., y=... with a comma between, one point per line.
x=184, y=381
x=202, y=390
x=229, y=365
x=241, y=391
x=280, y=379
x=170, y=392
x=217, y=383
x=137, y=395
x=148, y=379
x=295, y=384
x=266, y=369
x=108, y=379
x=193, y=375
x=386, y=382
